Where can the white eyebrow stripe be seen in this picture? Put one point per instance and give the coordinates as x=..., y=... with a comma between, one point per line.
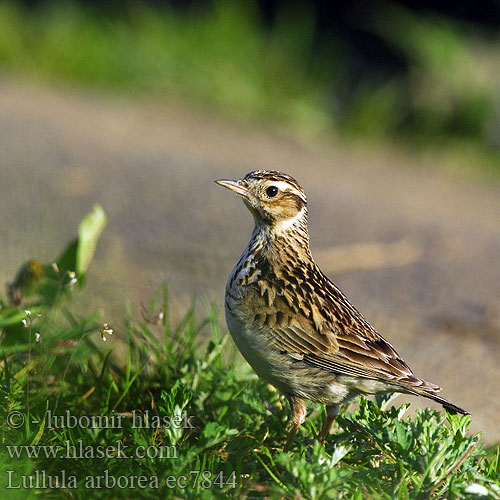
x=284, y=186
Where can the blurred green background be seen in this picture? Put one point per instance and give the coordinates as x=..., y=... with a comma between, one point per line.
x=424, y=73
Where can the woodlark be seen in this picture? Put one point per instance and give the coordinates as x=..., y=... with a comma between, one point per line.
x=297, y=330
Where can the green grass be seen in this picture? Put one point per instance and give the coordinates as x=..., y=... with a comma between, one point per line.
x=187, y=420
x=218, y=57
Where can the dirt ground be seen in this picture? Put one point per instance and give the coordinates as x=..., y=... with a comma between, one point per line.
x=415, y=247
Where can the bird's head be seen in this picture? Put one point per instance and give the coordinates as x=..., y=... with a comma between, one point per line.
x=275, y=199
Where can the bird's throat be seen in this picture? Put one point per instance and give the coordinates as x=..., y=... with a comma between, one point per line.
x=280, y=246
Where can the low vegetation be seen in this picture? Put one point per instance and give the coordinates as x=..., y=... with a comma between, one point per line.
x=171, y=414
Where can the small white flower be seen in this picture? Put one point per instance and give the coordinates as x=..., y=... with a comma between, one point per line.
x=106, y=330
x=27, y=312
x=72, y=277
x=55, y=267
x=25, y=323
x=37, y=337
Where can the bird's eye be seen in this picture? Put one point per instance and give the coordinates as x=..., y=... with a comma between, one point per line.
x=272, y=191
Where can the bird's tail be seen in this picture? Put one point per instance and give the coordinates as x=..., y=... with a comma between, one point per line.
x=445, y=403
x=420, y=387
x=431, y=394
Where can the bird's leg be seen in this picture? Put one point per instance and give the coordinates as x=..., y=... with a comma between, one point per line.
x=298, y=416
x=331, y=412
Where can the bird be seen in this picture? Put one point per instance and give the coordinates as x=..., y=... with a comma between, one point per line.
x=292, y=324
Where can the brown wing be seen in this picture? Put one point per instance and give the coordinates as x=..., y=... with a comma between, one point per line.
x=347, y=354
x=328, y=332
x=356, y=352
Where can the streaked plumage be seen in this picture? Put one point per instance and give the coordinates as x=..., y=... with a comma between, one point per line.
x=292, y=324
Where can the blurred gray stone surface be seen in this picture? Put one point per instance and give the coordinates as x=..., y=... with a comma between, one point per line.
x=151, y=167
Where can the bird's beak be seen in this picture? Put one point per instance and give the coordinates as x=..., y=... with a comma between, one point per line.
x=235, y=186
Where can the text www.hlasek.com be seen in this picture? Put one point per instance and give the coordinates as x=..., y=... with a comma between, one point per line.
x=80, y=451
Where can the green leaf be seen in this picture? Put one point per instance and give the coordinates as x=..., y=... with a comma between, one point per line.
x=39, y=434
x=89, y=232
